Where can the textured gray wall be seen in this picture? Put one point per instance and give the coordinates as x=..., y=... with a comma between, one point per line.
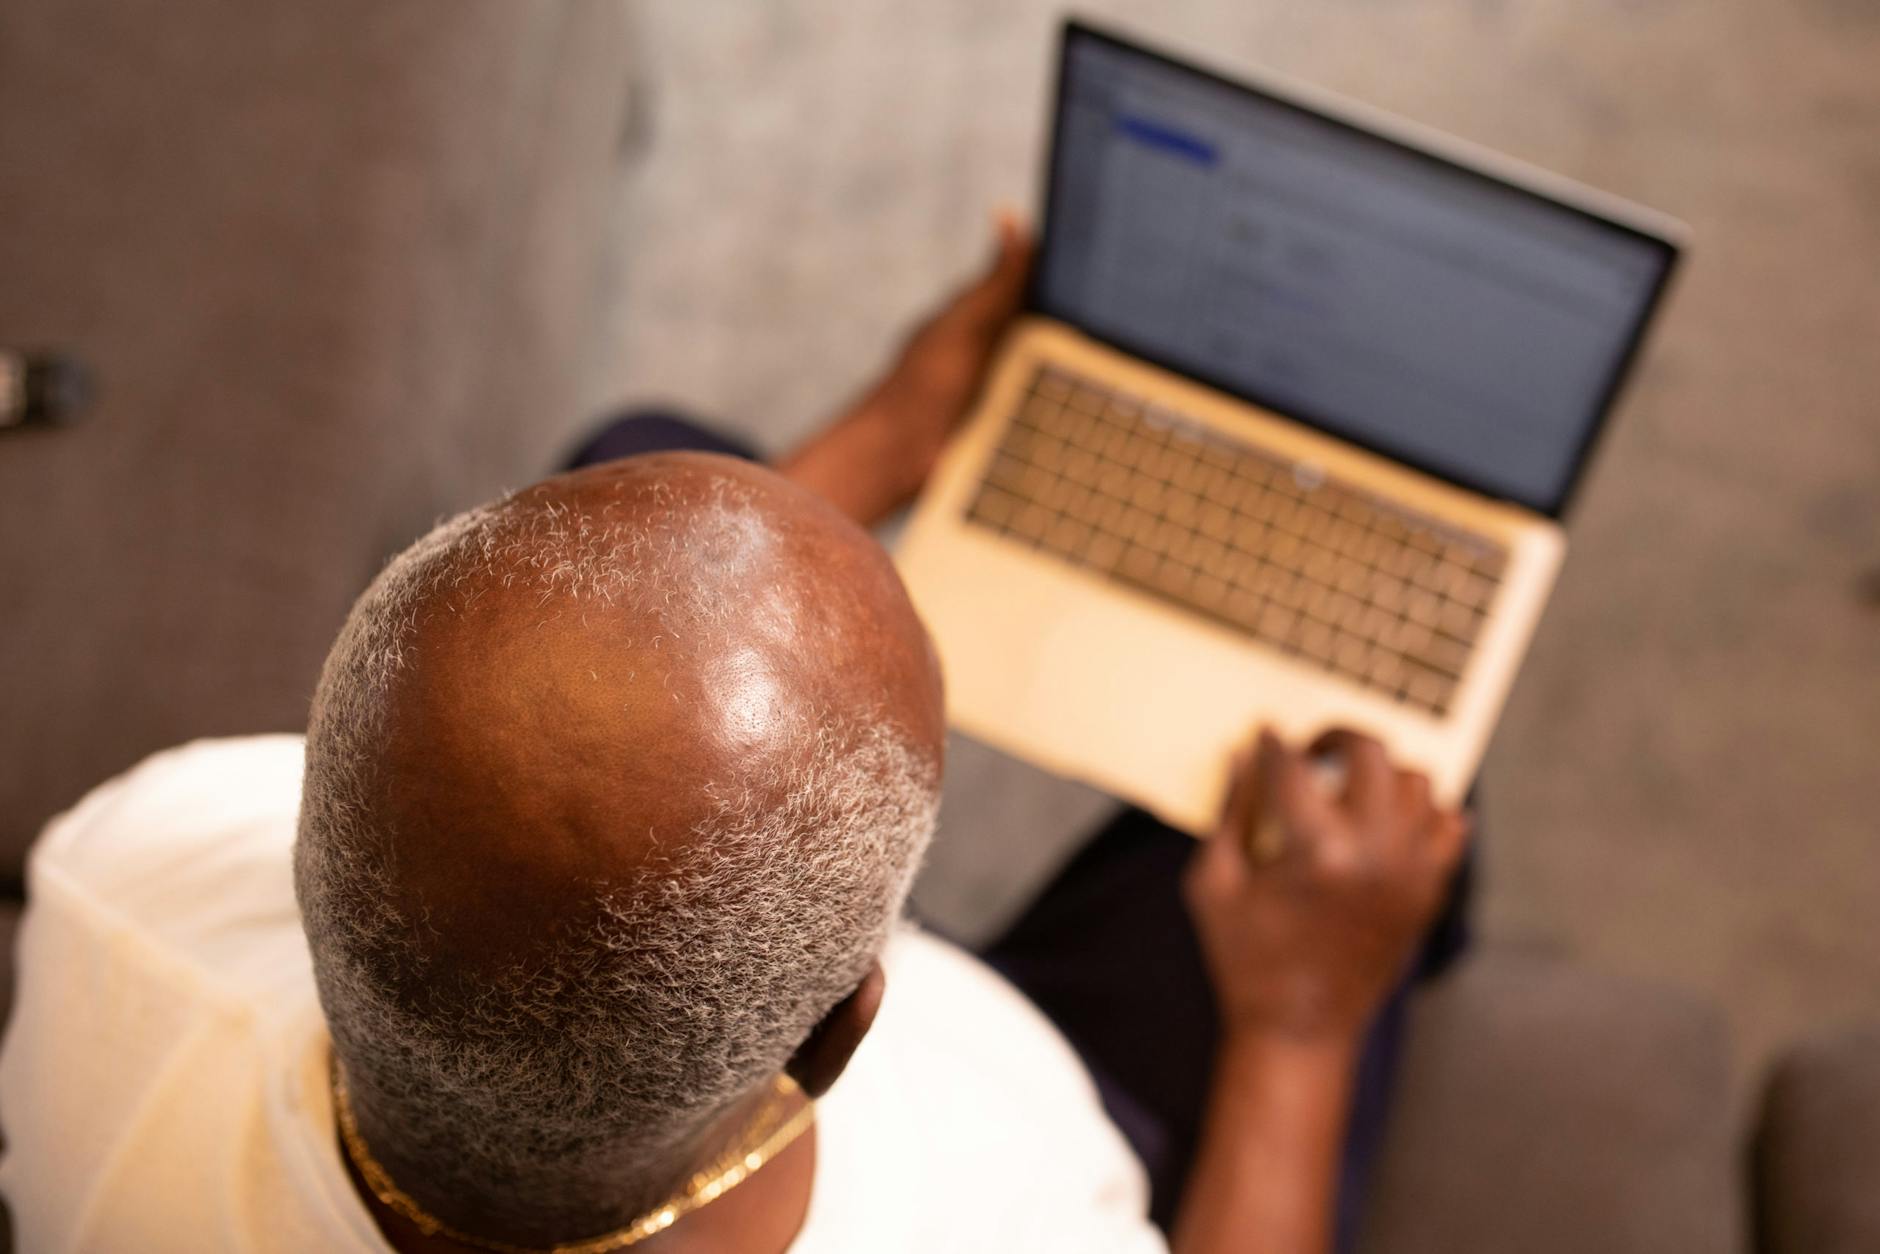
x=334, y=266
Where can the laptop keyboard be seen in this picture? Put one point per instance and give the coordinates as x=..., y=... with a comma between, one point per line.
x=1323, y=571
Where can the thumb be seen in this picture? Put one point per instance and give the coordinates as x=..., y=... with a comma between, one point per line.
x=1000, y=291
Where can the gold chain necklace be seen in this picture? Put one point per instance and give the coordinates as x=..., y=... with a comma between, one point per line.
x=768, y=1135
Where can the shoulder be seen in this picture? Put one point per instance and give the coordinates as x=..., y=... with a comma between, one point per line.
x=192, y=794
x=186, y=858
x=161, y=964
x=966, y=1121
x=941, y=998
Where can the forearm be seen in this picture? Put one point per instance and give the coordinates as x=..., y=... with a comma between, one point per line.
x=856, y=463
x=873, y=459
x=1266, y=1173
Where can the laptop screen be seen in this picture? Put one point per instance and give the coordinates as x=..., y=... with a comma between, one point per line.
x=1426, y=310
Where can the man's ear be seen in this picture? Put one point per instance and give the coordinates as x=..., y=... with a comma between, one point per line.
x=829, y=1045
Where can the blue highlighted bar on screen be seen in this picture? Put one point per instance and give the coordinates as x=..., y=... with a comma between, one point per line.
x=1156, y=135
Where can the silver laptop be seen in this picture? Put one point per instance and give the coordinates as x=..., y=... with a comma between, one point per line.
x=1285, y=435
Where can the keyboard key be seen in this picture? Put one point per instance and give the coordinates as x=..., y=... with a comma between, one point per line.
x=1219, y=456
x=1214, y=519
x=1315, y=640
x=1428, y=573
x=1428, y=688
x=1255, y=537
x=1210, y=591
x=1286, y=589
x=1409, y=638
x=1404, y=562
x=1353, y=579
x=1386, y=670
x=1476, y=591
x=1174, y=579
x=1038, y=412
x=1052, y=382
x=1212, y=555
x=1490, y=563
x=1459, y=621
x=1371, y=548
x=1388, y=593
x=1276, y=620
x=1104, y=551
x=1068, y=536
x=1108, y=512
x=1080, y=464
x=1320, y=565
x=1445, y=654
x=1139, y=562
x=1031, y=521
x=995, y=506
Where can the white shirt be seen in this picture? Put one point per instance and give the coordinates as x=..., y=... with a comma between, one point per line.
x=163, y=1081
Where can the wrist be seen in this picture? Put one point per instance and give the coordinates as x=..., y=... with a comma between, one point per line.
x=859, y=463
x=884, y=448
x=1268, y=1159
x=1266, y=1049
x=1294, y=1082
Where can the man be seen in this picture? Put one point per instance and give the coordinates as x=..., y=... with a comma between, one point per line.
x=612, y=793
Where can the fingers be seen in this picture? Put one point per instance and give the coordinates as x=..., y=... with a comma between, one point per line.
x=1292, y=792
x=1243, y=787
x=1014, y=235
x=999, y=293
x=1011, y=264
x=1267, y=833
x=1370, y=779
x=1449, y=835
x=1416, y=813
x=1413, y=792
x=1277, y=804
x=1394, y=810
x=1220, y=865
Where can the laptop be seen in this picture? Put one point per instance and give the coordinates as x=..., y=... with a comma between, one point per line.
x=1284, y=436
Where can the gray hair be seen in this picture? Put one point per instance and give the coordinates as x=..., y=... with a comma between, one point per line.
x=691, y=985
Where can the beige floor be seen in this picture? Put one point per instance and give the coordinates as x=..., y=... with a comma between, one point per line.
x=1687, y=784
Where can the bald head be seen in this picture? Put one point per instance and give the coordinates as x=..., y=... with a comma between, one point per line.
x=644, y=642
x=613, y=790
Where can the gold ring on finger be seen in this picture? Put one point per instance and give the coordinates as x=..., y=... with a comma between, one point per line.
x=1267, y=843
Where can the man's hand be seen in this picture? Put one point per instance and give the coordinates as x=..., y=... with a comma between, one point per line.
x=944, y=363
x=875, y=457
x=1308, y=906
x=1305, y=946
